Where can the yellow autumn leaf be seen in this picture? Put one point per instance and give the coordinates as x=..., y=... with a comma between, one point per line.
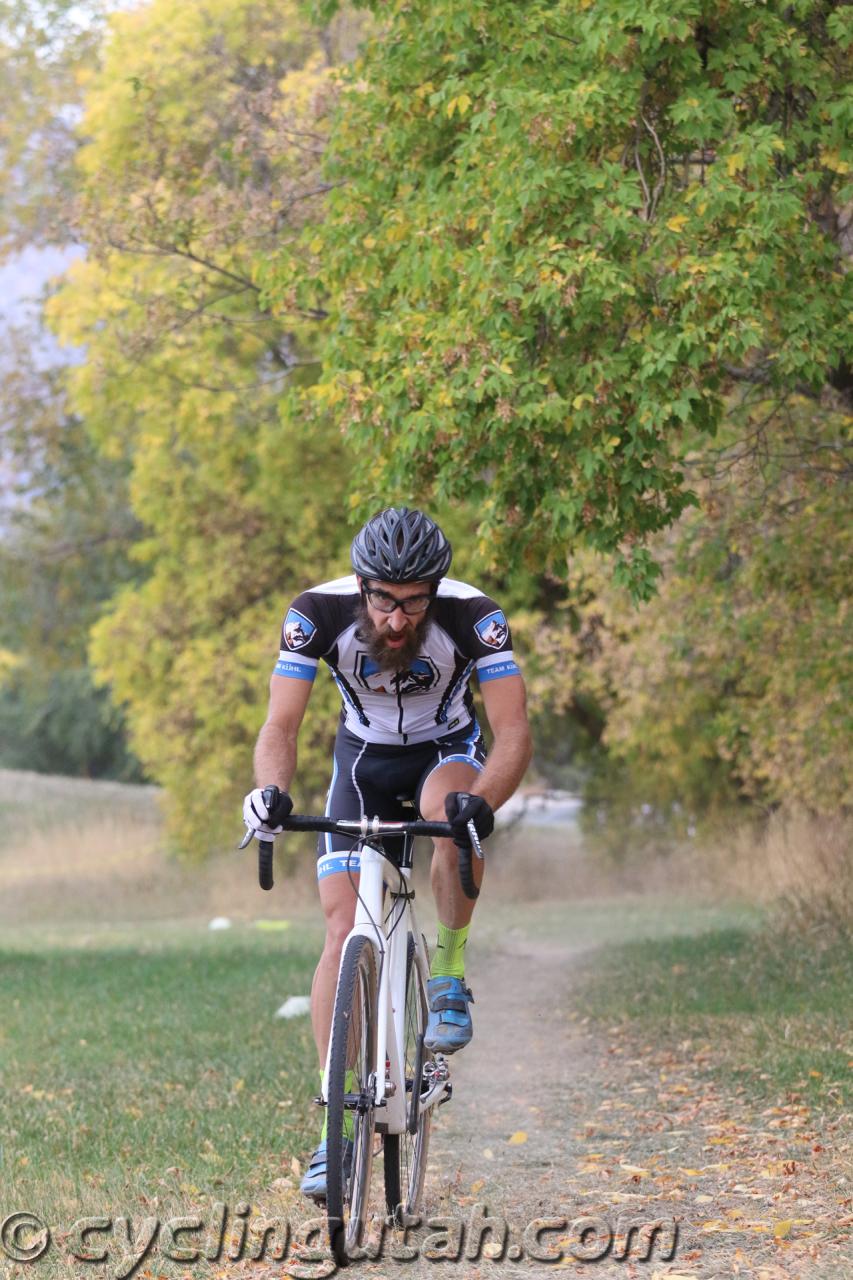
x=832, y=160
x=783, y=1228
x=734, y=163
x=677, y=222
x=635, y=1170
x=369, y=242
x=477, y=1186
x=517, y=1138
x=463, y=102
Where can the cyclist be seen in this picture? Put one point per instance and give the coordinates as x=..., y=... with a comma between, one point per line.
x=402, y=641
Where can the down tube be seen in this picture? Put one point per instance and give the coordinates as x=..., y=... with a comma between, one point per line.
x=392, y=997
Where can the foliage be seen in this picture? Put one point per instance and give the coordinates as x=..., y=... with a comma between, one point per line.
x=735, y=682
x=204, y=129
x=563, y=232
x=65, y=551
x=559, y=271
x=43, y=49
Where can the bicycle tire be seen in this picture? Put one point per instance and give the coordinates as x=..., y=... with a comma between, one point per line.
x=353, y=1047
x=405, y=1154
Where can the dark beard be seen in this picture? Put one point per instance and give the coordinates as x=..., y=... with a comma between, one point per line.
x=391, y=659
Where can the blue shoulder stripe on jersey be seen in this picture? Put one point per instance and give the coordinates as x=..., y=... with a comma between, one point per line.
x=297, y=670
x=496, y=671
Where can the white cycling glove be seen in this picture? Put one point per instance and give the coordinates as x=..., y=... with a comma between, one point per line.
x=265, y=820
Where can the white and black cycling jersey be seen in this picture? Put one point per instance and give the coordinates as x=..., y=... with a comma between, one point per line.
x=466, y=632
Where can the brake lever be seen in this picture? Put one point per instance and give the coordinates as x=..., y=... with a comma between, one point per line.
x=250, y=831
x=475, y=839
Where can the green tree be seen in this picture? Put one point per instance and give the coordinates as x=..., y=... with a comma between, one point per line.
x=566, y=233
x=734, y=684
x=66, y=539
x=44, y=47
x=204, y=128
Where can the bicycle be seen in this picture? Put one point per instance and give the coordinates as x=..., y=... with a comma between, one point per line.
x=380, y=1015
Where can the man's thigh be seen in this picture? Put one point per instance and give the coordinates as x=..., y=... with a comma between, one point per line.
x=455, y=767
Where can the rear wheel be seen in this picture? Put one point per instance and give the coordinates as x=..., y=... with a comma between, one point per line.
x=406, y=1153
x=351, y=1114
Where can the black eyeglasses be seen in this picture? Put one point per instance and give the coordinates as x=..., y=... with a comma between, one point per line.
x=386, y=603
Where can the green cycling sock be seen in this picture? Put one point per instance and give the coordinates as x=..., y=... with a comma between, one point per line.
x=449, y=958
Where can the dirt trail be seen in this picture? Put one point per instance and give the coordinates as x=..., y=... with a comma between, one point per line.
x=551, y=1121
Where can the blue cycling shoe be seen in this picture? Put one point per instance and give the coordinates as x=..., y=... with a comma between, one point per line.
x=314, y=1182
x=449, y=1024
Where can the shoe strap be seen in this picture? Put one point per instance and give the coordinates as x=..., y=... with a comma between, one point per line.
x=439, y=1004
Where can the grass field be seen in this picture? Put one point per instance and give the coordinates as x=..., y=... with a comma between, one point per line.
x=142, y=1063
x=775, y=1007
x=143, y=1071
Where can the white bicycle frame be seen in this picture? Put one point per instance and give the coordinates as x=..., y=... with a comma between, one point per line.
x=389, y=939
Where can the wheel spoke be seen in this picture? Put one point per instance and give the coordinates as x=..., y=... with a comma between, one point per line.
x=406, y=1153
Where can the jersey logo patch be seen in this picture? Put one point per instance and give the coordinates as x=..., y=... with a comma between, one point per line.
x=298, y=630
x=420, y=677
x=492, y=630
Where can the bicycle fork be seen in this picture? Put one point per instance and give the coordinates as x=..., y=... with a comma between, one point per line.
x=391, y=949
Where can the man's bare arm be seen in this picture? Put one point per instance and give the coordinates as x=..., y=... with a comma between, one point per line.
x=505, y=701
x=275, y=750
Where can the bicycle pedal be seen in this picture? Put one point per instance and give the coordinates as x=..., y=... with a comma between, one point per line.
x=437, y=1070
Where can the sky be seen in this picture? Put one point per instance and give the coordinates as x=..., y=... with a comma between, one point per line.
x=23, y=277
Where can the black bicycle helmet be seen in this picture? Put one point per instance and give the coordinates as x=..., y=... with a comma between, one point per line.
x=399, y=545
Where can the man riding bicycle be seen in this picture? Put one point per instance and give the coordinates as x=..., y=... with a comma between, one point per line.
x=402, y=641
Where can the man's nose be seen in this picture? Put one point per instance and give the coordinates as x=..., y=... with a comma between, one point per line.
x=397, y=620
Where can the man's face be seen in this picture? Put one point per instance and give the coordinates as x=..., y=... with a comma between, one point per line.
x=393, y=639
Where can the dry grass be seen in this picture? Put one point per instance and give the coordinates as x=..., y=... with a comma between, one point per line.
x=798, y=866
x=96, y=851
x=72, y=849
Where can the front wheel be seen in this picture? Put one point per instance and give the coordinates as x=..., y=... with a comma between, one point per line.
x=406, y=1153
x=351, y=1107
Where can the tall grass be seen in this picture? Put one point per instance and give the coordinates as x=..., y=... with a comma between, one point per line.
x=799, y=866
x=74, y=850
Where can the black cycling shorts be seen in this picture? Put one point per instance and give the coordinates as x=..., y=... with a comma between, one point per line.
x=375, y=779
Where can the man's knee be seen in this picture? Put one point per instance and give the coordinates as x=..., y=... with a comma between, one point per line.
x=338, y=924
x=432, y=807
